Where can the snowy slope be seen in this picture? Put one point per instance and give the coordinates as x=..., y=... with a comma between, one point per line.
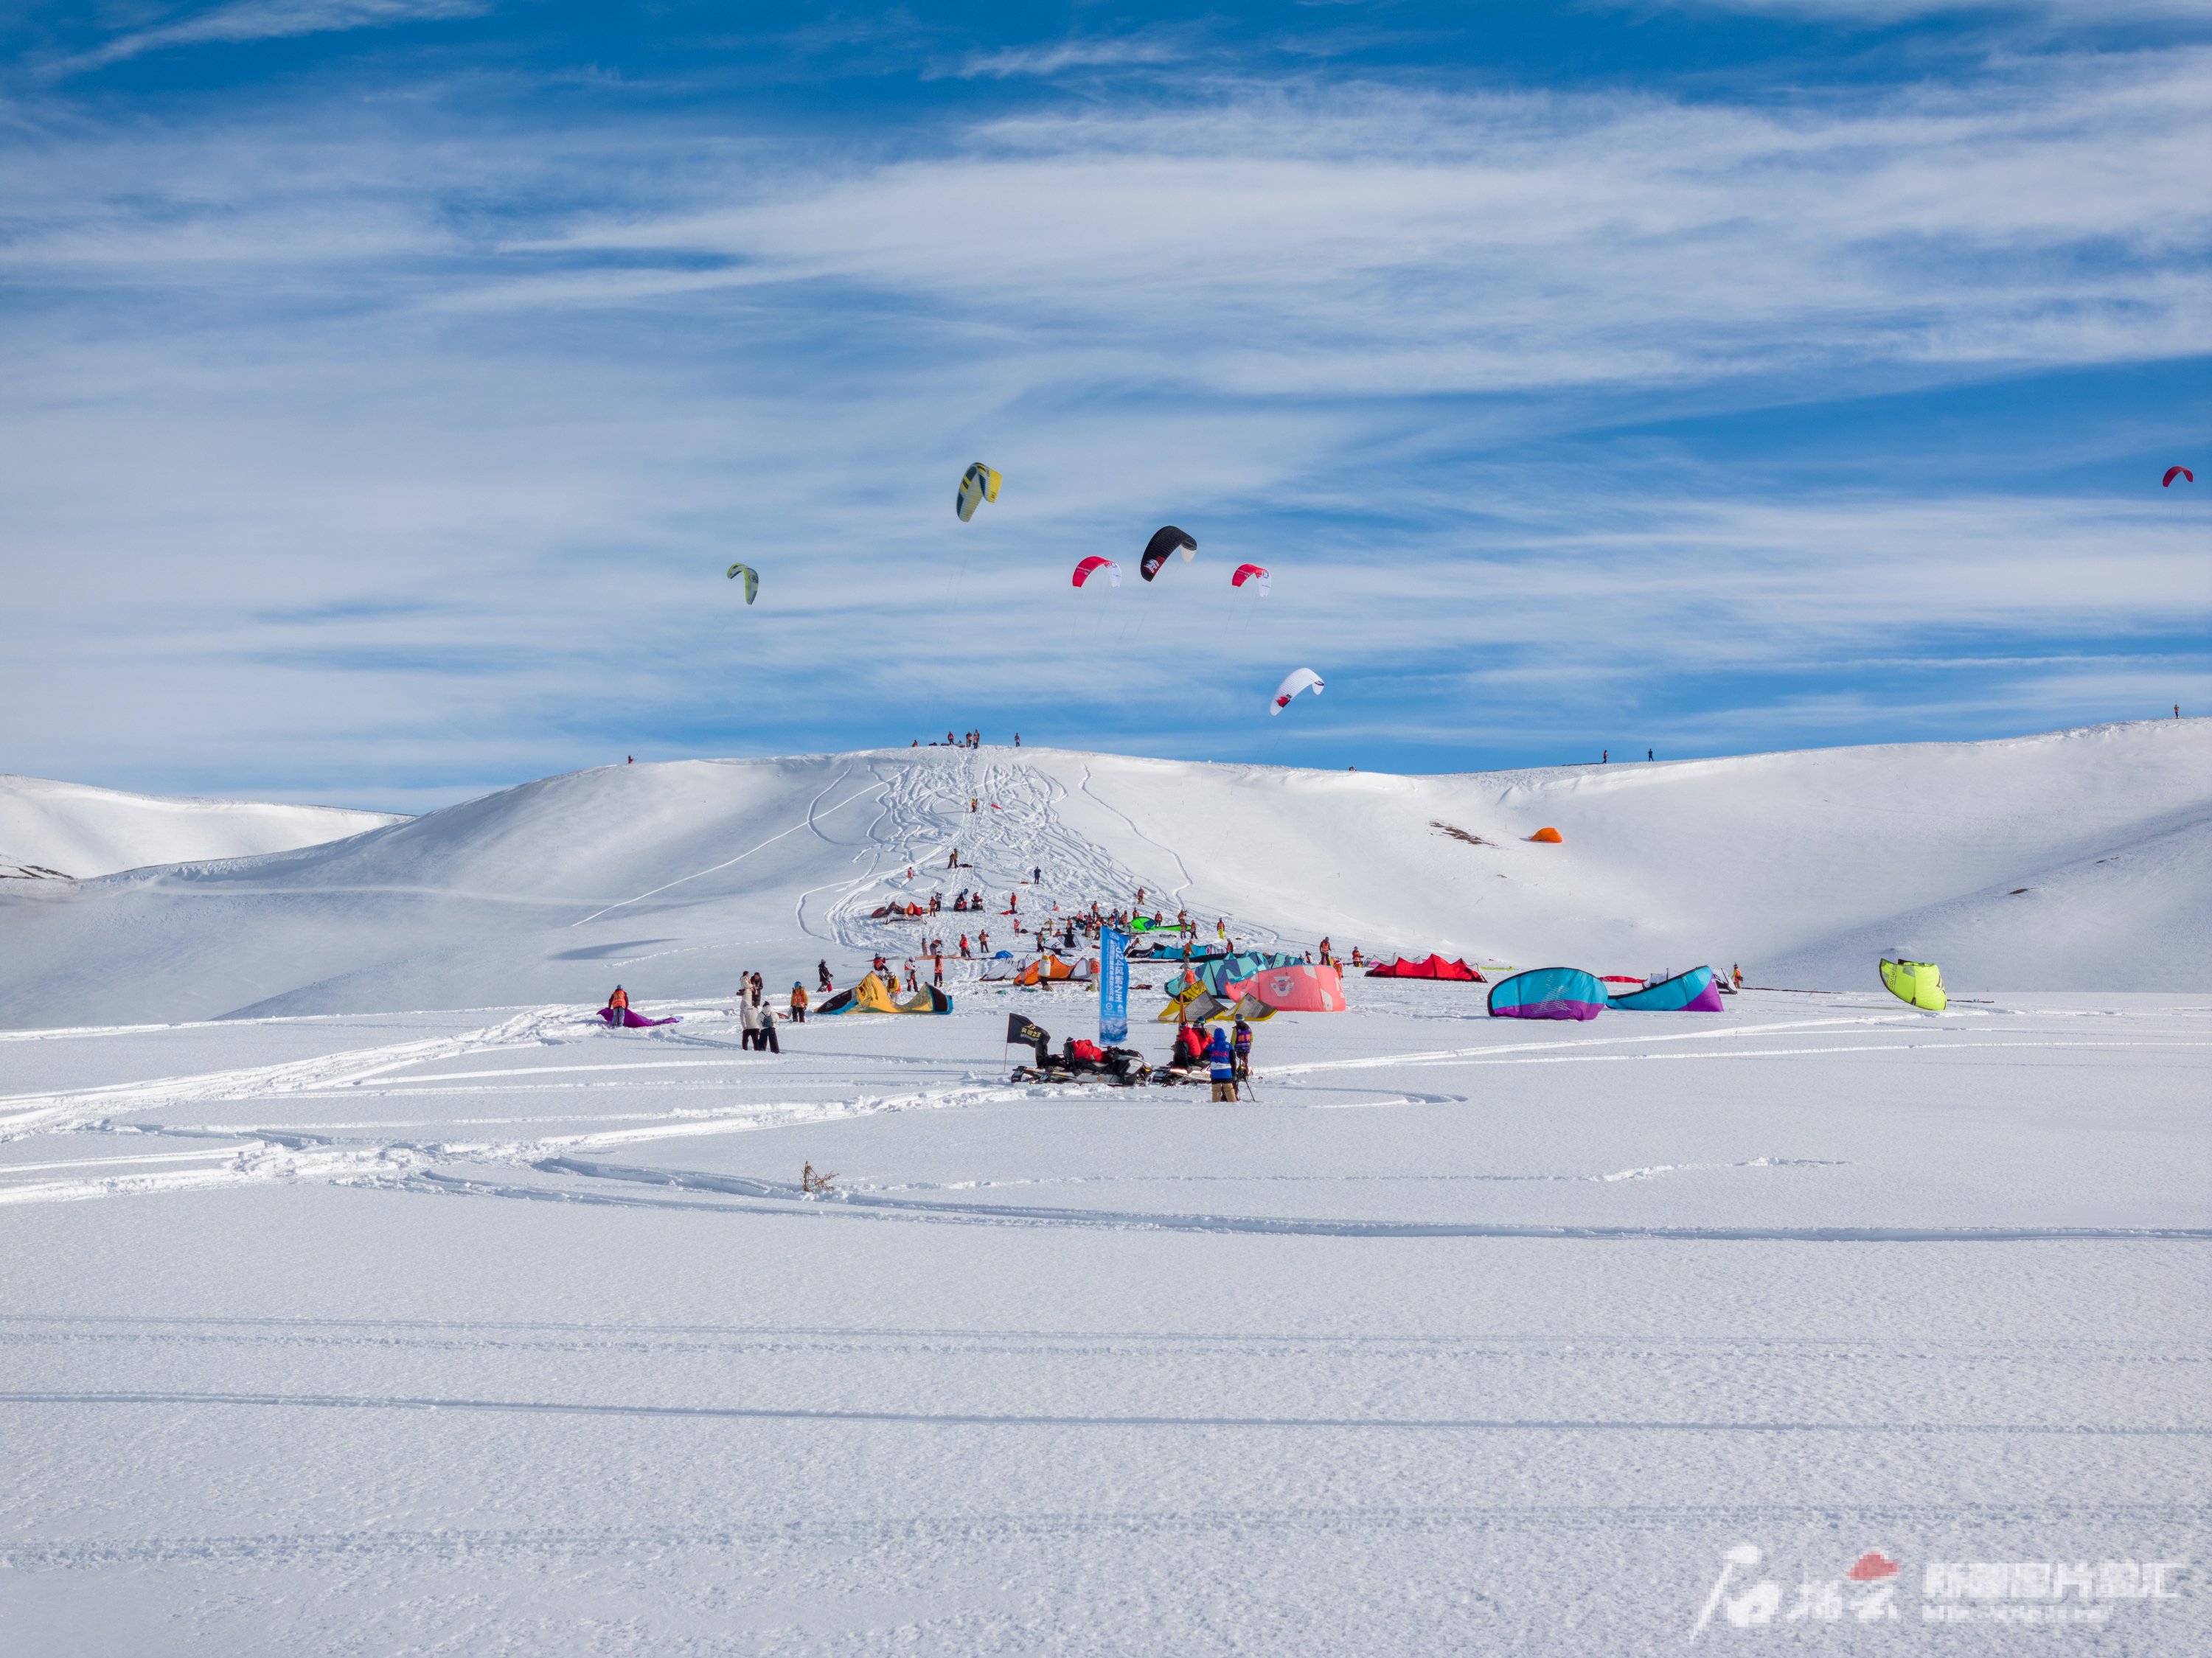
x=672, y=877
x=71, y=831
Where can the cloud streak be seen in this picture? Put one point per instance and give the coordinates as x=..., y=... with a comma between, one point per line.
x=268, y=19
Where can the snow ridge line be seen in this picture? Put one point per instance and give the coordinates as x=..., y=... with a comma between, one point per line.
x=573, y=1541
x=968, y=1420
x=806, y=822
x=878, y=1206
x=1583, y=1343
x=1443, y=1055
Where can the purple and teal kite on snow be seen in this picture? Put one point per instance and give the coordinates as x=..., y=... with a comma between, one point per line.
x=1548, y=992
x=1694, y=992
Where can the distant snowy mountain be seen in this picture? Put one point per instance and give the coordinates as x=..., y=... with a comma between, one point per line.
x=2075, y=860
x=69, y=831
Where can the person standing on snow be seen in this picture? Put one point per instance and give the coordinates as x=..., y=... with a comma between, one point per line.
x=798, y=1003
x=821, y=968
x=1738, y=975
x=1221, y=1061
x=963, y=946
x=1242, y=1041
x=618, y=1004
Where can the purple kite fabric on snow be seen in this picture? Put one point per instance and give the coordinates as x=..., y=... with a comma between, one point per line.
x=630, y=1020
x=1694, y=992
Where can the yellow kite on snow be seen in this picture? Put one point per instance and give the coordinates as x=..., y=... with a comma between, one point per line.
x=1920, y=983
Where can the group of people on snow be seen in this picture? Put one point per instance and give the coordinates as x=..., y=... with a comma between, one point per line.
x=756, y=1019
x=1226, y=1055
x=966, y=740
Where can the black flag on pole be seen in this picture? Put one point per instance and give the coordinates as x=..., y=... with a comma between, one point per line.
x=1027, y=1032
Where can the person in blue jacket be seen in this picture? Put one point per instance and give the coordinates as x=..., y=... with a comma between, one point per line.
x=1221, y=1061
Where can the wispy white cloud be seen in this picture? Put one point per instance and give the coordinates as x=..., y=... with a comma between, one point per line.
x=1057, y=57
x=1884, y=12
x=1379, y=243
x=268, y=19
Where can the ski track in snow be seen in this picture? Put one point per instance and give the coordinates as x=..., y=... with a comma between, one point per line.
x=460, y=1544
x=977, y=1419
x=374, y=1152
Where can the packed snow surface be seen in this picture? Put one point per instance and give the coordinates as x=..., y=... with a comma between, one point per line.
x=419, y=1311
x=503, y=1332
x=69, y=831
x=2080, y=860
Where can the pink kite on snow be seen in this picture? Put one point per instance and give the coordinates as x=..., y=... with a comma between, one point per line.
x=630, y=1019
x=1295, y=989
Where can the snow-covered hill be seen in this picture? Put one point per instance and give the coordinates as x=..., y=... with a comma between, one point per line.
x=2075, y=860
x=70, y=831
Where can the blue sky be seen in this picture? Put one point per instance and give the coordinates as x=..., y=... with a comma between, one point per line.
x=392, y=380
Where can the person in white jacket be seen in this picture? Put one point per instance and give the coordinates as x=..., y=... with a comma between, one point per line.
x=758, y=1018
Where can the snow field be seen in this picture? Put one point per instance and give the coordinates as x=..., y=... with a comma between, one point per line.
x=336, y=1325
x=1466, y=1337
x=68, y=831
x=2075, y=860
